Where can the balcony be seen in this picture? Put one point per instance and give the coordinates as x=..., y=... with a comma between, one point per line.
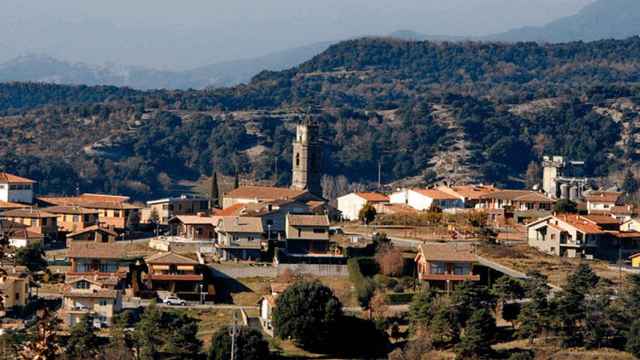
x=449, y=277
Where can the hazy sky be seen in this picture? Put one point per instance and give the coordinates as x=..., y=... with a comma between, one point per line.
x=174, y=34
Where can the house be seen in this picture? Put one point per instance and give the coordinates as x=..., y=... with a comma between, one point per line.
x=426, y=199
x=469, y=194
x=635, y=260
x=630, y=225
x=588, y=236
x=515, y=200
x=168, y=208
x=93, y=233
x=14, y=286
x=194, y=227
x=350, y=205
x=177, y=274
x=95, y=295
x=16, y=189
x=602, y=201
x=307, y=234
x=239, y=238
x=73, y=218
x=37, y=221
x=272, y=213
x=443, y=266
x=267, y=304
x=95, y=282
x=265, y=194
x=113, y=210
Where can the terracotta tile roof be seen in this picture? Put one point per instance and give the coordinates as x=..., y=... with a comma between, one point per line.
x=517, y=195
x=582, y=224
x=93, y=228
x=242, y=224
x=197, y=220
x=233, y=210
x=265, y=193
x=373, y=197
x=436, y=194
x=315, y=204
x=7, y=178
x=634, y=255
x=5, y=205
x=66, y=209
x=28, y=213
x=447, y=252
x=97, y=250
x=601, y=219
x=625, y=234
x=469, y=192
x=603, y=196
x=307, y=220
x=87, y=203
x=170, y=258
x=104, y=198
x=93, y=294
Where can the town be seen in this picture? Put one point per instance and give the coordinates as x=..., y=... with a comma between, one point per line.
x=282, y=270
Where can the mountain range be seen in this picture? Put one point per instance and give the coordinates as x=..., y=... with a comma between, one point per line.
x=603, y=19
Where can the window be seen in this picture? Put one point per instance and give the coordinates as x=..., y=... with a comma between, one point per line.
x=437, y=268
x=298, y=159
x=44, y=222
x=82, y=284
x=76, y=218
x=103, y=302
x=318, y=231
x=2, y=186
x=17, y=296
x=250, y=238
x=462, y=269
x=116, y=213
x=108, y=267
x=83, y=267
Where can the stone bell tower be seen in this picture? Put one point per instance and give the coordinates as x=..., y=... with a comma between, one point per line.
x=307, y=158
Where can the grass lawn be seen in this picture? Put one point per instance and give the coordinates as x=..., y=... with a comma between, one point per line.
x=211, y=320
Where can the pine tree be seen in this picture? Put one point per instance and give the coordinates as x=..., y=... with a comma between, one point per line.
x=83, y=341
x=148, y=333
x=475, y=343
x=630, y=184
x=633, y=339
x=213, y=191
x=183, y=342
x=571, y=304
x=44, y=344
x=535, y=316
x=421, y=309
x=236, y=181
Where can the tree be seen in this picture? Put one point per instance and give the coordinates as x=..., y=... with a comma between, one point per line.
x=506, y=289
x=133, y=219
x=367, y=214
x=571, y=304
x=32, y=256
x=148, y=333
x=467, y=298
x=378, y=306
x=183, y=342
x=83, y=342
x=154, y=217
x=380, y=241
x=249, y=345
x=565, y=206
x=307, y=312
x=390, y=261
x=630, y=183
x=534, y=174
x=43, y=343
x=421, y=309
x=475, y=343
x=535, y=316
x=633, y=339
x=119, y=347
x=236, y=180
x=214, y=195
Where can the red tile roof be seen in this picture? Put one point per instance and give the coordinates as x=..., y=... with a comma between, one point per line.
x=373, y=197
x=27, y=213
x=97, y=251
x=5, y=205
x=170, y=258
x=469, y=192
x=307, y=220
x=603, y=196
x=265, y=193
x=14, y=179
x=581, y=223
x=93, y=228
x=436, y=194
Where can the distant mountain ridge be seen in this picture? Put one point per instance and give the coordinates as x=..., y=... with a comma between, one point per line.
x=603, y=19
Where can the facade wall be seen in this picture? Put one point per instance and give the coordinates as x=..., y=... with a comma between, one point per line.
x=419, y=201
x=350, y=206
x=399, y=197
x=21, y=193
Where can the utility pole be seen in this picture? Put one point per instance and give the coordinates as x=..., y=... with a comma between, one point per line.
x=380, y=175
x=234, y=330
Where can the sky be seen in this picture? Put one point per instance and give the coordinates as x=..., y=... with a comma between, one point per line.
x=177, y=35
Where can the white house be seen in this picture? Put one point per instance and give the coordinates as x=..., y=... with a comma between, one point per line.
x=425, y=199
x=351, y=204
x=602, y=201
x=17, y=189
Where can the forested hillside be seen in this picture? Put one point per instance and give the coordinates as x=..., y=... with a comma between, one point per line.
x=456, y=111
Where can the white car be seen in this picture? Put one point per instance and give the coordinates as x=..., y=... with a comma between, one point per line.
x=174, y=300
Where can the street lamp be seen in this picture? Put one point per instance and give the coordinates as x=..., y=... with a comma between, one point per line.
x=201, y=294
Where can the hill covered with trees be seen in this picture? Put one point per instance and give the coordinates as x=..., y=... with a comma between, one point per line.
x=426, y=111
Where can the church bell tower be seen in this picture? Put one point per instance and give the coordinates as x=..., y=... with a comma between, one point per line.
x=307, y=158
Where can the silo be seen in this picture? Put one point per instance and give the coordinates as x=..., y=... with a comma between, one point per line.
x=564, y=191
x=573, y=193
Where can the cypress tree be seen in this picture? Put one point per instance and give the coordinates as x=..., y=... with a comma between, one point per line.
x=214, y=196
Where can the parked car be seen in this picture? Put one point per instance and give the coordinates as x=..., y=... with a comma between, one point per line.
x=174, y=300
